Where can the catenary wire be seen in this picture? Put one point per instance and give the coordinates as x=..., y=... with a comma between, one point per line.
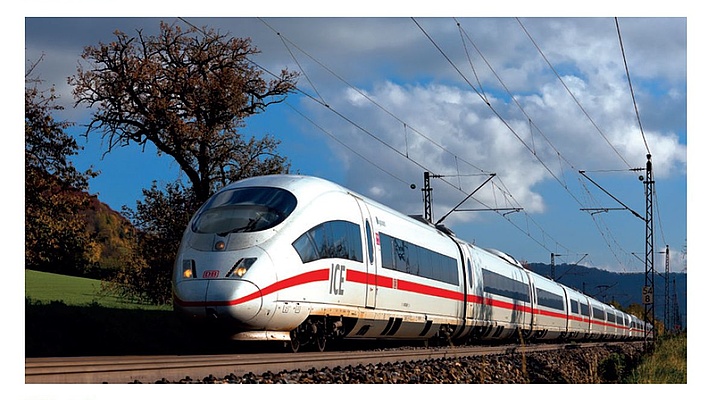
x=597, y=222
x=405, y=155
x=575, y=99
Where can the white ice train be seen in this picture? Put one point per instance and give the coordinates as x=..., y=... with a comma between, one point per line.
x=303, y=260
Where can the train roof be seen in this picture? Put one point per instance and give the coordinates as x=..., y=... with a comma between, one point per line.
x=302, y=186
x=306, y=188
x=285, y=181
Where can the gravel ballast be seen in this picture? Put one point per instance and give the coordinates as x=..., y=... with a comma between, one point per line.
x=606, y=364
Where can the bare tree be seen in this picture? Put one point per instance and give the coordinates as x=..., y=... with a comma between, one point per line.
x=188, y=93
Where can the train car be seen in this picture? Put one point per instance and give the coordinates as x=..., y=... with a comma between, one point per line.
x=636, y=328
x=304, y=261
x=610, y=323
x=597, y=319
x=621, y=327
x=550, y=308
x=578, y=315
x=502, y=299
x=417, y=280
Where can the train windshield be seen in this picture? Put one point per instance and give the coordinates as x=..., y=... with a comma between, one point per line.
x=244, y=210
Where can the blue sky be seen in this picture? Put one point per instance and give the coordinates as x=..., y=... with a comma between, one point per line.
x=402, y=107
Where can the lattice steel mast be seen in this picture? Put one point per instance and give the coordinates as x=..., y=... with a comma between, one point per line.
x=648, y=290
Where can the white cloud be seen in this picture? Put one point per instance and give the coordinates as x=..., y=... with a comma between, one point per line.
x=464, y=136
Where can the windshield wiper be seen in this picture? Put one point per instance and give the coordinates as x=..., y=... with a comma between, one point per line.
x=247, y=228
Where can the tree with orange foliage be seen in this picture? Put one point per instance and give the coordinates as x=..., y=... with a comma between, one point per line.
x=188, y=93
x=56, y=238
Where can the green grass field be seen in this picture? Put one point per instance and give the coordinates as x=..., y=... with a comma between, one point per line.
x=68, y=316
x=44, y=287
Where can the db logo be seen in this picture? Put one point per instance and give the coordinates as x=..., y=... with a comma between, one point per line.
x=213, y=273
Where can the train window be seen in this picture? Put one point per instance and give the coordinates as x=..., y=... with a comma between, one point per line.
x=333, y=239
x=306, y=249
x=548, y=299
x=598, y=314
x=610, y=317
x=573, y=307
x=369, y=239
x=469, y=274
x=504, y=286
x=426, y=262
x=386, y=251
x=244, y=210
x=401, y=261
x=584, y=309
x=403, y=256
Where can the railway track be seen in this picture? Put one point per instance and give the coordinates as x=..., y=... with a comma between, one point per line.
x=149, y=369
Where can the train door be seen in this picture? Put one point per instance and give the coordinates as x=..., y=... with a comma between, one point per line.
x=586, y=310
x=469, y=289
x=466, y=288
x=478, y=312
x=567, y=329
x=533, y=298
x=371, y=258
x=525, y=320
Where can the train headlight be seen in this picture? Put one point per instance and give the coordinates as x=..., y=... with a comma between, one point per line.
x=188, y=269
x=241, y=267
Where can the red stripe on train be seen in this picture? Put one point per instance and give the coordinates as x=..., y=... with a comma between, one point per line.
x=308, y=277
x=390, y=283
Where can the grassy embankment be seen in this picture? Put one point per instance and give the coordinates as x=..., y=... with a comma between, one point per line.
x=43, y=287
x=666, y=365
x=68, y=316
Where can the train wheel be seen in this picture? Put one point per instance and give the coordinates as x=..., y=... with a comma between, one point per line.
x=319, y=334
x=321, y=342
x=294, y=344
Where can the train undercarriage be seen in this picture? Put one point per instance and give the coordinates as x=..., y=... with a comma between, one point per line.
x=316, y=331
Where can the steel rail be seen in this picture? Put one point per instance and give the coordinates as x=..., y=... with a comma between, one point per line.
x=150, y=369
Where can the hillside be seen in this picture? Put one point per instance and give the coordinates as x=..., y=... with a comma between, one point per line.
x=112, y=234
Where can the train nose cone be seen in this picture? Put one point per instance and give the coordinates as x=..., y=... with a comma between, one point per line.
x=237, y=299
x=223, y=299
